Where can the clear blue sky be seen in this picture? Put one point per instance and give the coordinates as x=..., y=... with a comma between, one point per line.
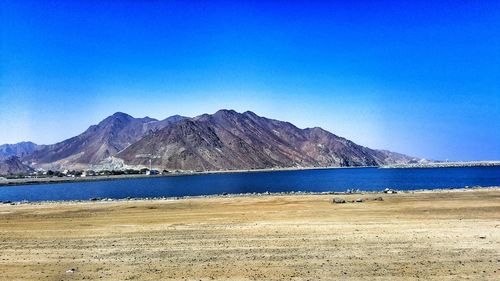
x=421, y=79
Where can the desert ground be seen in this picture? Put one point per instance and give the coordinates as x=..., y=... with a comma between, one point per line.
x=445, y=235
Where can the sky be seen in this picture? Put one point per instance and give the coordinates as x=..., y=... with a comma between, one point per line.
x=416, y=77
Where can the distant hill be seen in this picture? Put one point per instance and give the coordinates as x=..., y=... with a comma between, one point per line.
x=13, y=165
x=232, y=140
x=20, y=149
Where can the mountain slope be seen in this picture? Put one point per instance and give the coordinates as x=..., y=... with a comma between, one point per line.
x=398, y=158
x=20, y=149
x=98, y=142
x=231, y=140
x=13, y=165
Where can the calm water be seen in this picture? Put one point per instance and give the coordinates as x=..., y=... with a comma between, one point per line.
x=370, y=179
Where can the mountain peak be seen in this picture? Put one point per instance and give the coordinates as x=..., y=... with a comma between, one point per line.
x=148, y=119
x=19, y=149
x=116, y=117
x=98, y=142
x=175, y=118
x=19, y=143
x=226, y=112
x=250, y=113
x=121, y=115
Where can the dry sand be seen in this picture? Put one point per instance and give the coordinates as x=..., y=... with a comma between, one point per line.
x=447, y=235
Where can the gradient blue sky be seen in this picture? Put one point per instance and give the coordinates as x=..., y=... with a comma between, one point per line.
x=417, y=77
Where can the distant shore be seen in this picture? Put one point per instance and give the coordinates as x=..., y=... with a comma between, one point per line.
x=52, y=180
x=446, y=164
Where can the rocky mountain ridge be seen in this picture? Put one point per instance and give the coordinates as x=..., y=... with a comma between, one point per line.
x=13, y=166
x=225, y=140
x=20, y=149
x=228, y=140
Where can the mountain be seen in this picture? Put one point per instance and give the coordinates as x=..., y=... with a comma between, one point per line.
x=220, y=141
x=398, y=158
x=13, y=165
x=97, y=143
x=232, y=140
x=154, y=126
x=20, y=149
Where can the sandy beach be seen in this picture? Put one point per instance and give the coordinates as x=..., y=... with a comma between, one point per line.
x=433, y=235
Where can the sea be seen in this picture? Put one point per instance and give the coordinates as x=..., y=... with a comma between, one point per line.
x=313, y=180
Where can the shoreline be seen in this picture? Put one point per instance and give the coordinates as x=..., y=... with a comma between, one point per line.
x=249, y=195
x=57, y=180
